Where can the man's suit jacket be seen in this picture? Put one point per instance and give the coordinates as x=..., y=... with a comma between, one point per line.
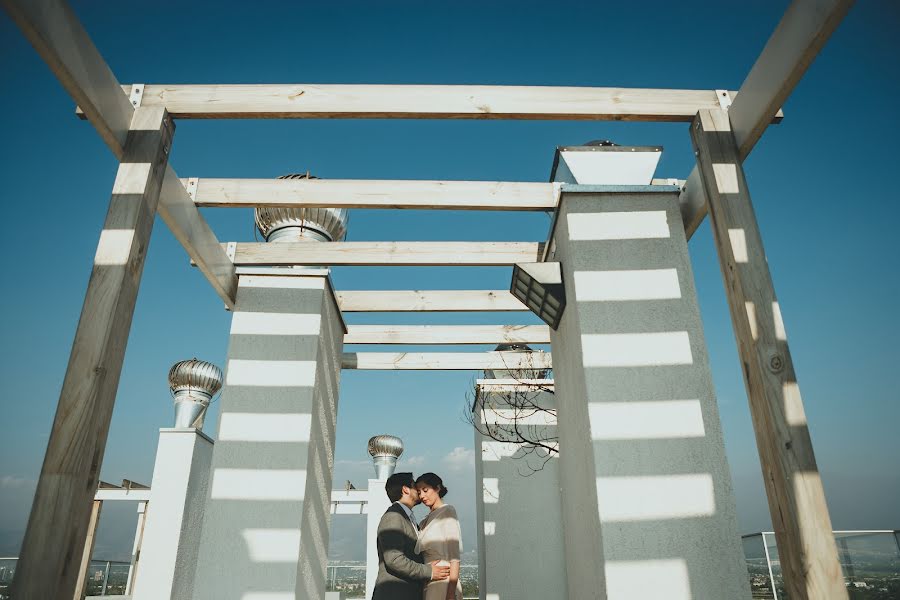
x=401, y=574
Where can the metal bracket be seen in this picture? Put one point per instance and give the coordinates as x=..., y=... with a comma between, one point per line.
x=191, y=188
x=230, y=250
x=724, y=99
x=137, y=94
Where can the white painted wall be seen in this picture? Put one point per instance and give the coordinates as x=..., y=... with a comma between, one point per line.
x=378, y=503
x=174, y=515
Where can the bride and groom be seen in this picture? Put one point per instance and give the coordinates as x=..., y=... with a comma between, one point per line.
x=418, y=561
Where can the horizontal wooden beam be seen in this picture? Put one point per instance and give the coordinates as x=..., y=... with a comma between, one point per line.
x=387, y=253
x=798, y=38
x=330, y=101
x=349, y=193
x=142, y=495
x=362, y=193
x=428, y=301
x=447, y=334
x=445, y=361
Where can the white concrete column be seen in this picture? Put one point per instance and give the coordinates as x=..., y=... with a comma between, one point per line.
x=648, y=507
x=171, y=536
x=267, y=514
x=520, y=528
x=378, y=503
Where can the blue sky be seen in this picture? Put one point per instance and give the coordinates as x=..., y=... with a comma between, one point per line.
x=823, y=183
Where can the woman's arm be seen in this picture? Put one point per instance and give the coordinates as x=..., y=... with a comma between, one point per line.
x=454, y=578
x=453, y=537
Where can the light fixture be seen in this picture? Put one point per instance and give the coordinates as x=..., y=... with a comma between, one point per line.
x=539, y=286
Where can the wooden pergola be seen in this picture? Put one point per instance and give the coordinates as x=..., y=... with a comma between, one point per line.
x=136, y=122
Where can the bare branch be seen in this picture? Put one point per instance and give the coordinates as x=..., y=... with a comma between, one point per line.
x=519, y=415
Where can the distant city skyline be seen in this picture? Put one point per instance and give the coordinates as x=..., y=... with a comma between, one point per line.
x=820, y=182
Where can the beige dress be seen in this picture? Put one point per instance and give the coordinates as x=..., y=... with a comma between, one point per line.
x=440, y=539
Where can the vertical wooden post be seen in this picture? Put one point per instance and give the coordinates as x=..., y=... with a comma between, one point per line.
x=800, y=517
x=136, y=549
x=88, y=551
x=52, y=548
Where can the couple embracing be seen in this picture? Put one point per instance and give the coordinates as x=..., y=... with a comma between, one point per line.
x=418, y=561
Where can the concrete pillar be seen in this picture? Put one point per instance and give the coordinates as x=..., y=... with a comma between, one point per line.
x=266, y=522
x=172, y=520
x=520, y=535
x=648, y=507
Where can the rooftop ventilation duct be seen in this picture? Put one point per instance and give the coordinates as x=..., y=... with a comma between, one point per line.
x=517, y=374
x=301, y=224
x=385, y=450
x=601, y=162
x=193, y=383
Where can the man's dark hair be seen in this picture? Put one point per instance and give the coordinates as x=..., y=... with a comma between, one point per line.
x=394, y=485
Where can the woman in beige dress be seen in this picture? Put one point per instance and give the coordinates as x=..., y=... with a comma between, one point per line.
x=439, y=537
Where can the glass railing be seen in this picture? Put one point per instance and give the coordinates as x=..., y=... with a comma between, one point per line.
x=870, y=561
x=104, y=577
x=109, y=578
x=351, y=580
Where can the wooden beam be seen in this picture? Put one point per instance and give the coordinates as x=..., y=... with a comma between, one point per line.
x=795, y=43
x=798, y=38
x=58, y=36
x=445, y=361
x=337, y=193
x=49, y=563
x=387, y=253
x=373, y=194
x=338, y=101
x=447, y=334
x=428, y=301
x=797, y=504
x=137, y=495
x=88, y=551
x=136, y=548
x=189, y=227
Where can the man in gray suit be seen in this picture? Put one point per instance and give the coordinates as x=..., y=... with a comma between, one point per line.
x=401, y=573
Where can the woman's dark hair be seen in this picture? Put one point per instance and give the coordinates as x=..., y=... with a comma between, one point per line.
x=434, y=482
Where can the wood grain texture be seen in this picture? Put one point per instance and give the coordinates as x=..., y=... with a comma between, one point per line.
x=447, y=334
x=337, y=101
x=51, y=552
x=797, y=504
x=337, y=193
x=428, y=301
x=800, y=35
x=445, y=361
x=387, y=253
x=189, y=227
x=57, y=35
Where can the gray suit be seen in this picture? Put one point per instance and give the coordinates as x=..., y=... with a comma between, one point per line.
x=401, y=574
